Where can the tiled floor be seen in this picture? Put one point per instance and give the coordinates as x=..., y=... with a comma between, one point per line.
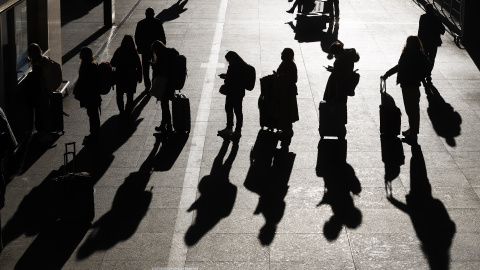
x=145, y=190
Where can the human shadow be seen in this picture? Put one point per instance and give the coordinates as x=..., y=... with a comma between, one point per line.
x=217, y=196
x=169, y=152
x=129, y=207
x=72, y=10
x=309, y=27
x=445, y=120
x=429, y=217
x=172, y=12
x=340, y=184
x=268, y=176
x=34, y=214
x=89, y=40
x=393, y=157
x=34, y=150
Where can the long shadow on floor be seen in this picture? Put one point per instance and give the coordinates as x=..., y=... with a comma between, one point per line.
x=268, y=176
x=36, y=213
x=129, y=206
x=445, y=120
x=73, y=9
x=217, y=196
x=429, y=216
x=309, y=28
x=340, y=184
x=172, y=12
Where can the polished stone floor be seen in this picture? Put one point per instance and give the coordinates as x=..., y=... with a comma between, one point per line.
x=198, y=202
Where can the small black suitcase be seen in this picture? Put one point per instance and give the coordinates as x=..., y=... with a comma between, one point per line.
x=181, y=113
x=390, y=114
x=333, y=117
x=264, y=102
x=73, y=199
x=56, y=110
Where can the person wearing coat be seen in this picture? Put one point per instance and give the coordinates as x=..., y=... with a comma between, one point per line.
x=234, y=83
x=162, y=66
x=128, y=71
x=147, y=31
x=37, y=96
x=88, y=93
x=412, y=68
x=430, y=28
x=286, y=108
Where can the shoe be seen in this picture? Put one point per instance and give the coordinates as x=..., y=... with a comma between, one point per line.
x=290, y=11
x=406, y=133
x=225, y=132
x=410, y=139
x=160, y=128
x=236, y=135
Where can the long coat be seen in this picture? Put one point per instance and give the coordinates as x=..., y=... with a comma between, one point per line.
x=286, y=108
x=128, y=69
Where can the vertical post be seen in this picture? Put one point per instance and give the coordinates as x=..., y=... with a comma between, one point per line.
x=108, y=12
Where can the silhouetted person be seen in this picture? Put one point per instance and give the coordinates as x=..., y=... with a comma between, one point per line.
x=413, y=67
x=37, y=96
x=342, y=70
x=286, y=108
x=128, y=72
x=162, y=65
x=148, y=30
x=429, y=217
x=234, y=82
x=88, y=93
x=430, y=28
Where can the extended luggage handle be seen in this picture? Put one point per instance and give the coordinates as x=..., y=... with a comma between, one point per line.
x=65, y=157
x=383, y=86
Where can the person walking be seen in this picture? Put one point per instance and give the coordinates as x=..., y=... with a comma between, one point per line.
x=147, y=31
x=162, y=66
x=234, y=83
x=286, y=108
x=128, y=71
x=413, y=67
x=36, y=94
x=88, y=93
x=430, y=29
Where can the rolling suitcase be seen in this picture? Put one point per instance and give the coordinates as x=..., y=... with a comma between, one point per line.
x=332, y=120
x=181, y=113
x=390, y=114
x=56, y=111
x=264, y=102
x=72, y=192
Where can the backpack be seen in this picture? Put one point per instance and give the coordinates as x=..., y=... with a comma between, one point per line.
x=179, y=71
x=52, y=73
x=105, y=73
x=250, y=78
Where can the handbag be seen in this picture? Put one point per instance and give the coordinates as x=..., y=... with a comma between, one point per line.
x=159, y=85
x=352, y=84
x=223, y=89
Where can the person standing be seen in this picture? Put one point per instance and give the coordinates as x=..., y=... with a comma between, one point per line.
x=128, y=71
x=413, y=67
x=37, y=96
x=162, y=66
x=234, y=82
x=430, y=29
x=88, y=93
x=147, y=31
x=286, y=108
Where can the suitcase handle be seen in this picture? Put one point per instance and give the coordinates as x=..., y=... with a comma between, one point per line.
x=383, y=86
x=65, y=157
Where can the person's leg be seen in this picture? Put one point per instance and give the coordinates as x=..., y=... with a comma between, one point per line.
x=129, y=106
x=94, y=120
x=146, y=58
x=337, y=9
x=411, y=100
x=120, y=104
x=432, y=54
x=237, y=108
x=229, y=103
x=166, y=123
